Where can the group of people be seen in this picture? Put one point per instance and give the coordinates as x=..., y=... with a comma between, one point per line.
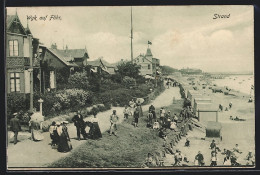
x=134, y=109
x=60, y=136
x=221, y=107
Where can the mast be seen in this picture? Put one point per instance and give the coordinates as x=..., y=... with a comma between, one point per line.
x=131, y=36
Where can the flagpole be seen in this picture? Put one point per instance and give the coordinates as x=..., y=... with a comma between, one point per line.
x=131, y=37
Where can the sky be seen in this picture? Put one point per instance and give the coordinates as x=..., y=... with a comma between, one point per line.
x=181, y=36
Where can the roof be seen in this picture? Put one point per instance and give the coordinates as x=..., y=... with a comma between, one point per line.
x=213, y=125
x=69, y=61
x=99, y=62
x=148, y=52
x=10, y=19
x=76, y=53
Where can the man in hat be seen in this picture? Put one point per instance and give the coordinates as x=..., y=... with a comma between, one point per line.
x=113, y=120
x=15, y=126
x=80, y=125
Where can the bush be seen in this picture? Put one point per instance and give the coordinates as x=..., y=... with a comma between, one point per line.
x=17, y=102
x=79, y=80
x=128, y=81
x=73, y=98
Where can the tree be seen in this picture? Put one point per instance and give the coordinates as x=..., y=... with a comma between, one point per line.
x=128, y=69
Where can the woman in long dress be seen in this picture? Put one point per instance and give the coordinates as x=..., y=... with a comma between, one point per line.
x=94, y=132
x=139, y=107
x=64, y=140
x=35, y=123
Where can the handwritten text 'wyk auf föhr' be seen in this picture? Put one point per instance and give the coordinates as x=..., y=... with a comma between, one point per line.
x=43, y=18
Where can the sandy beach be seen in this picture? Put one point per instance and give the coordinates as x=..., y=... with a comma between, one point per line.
x=233, y=132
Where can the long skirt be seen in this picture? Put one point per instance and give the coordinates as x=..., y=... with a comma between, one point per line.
x=63, y=145
x=94, y=131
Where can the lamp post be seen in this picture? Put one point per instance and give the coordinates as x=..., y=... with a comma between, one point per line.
x=31, y=89
x=40, y=101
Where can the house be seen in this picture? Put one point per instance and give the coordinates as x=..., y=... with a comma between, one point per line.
x=148, y=64
x=54, y=63
x=80, y=55
x=100, y=65
x=19, y=55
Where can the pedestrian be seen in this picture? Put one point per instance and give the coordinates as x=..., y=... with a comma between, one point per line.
x=230, y=105
x=200, y=159
x=149, y=161
x=236, y=149
x=175, y=118
x=139, y=107
x=162, y=116
x=250, y=159
x=136, y=117
x=187, y=143
x=220, y=107
x=173, y=126
x=15, y=126
x=53, y=134
x=80, y=125
x=149, y=119
x=132, y=106
x=168, y=119
x=213, y=159
x=227, y=161
x=94, y=131
x=156, y=124
x=113, y=121
x=64, y=140
x=126, y=112
x=152, y=108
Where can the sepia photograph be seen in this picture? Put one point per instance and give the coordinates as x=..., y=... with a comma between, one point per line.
x=127, y=87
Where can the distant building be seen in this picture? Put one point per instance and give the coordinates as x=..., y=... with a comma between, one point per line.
x=190, y=71
x=148, y=64
x=80, y=55
x=100, y=65
x=19, y=55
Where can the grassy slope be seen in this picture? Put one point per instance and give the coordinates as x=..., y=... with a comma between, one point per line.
x=128, y=149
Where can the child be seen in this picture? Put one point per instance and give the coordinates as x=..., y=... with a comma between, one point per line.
x=156, y=124
x=126, y=112
x=213, y=159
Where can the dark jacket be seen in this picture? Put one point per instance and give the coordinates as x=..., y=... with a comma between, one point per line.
x=78, y=121
x=15, y=124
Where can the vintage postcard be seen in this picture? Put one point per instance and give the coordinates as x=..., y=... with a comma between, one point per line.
x=157, y=87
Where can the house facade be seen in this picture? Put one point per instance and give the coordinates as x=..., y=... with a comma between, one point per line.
x=148, y=64
x=19, y=56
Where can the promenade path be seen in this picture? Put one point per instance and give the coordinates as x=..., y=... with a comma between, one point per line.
x=27, y=153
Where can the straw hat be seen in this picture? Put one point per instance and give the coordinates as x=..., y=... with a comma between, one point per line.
x=15, y=113
x=66, y=122
x=58, y=123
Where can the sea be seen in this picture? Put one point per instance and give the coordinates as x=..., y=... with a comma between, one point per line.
x=241, y=83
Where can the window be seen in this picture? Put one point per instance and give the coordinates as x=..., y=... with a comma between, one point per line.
x=15, y=82
x=13, y=47
x=149, y=66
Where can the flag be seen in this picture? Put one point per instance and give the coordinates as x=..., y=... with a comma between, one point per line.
x=149, y=42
